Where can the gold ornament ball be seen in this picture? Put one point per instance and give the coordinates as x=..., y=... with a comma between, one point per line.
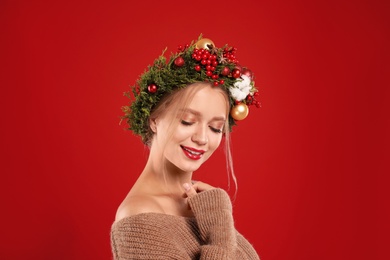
x=202, y=43
x=239, y=112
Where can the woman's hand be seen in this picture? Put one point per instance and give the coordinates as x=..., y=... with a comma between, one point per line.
x=193, y=188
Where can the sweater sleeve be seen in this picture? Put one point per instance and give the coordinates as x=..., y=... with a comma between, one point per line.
x=213, y=213
x=144, y=237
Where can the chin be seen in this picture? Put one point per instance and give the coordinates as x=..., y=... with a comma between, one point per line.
x=189, y=168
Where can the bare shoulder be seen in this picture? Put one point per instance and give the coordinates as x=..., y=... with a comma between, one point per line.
x=137, y=204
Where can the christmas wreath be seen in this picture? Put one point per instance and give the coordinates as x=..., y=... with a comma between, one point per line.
x=200, y=61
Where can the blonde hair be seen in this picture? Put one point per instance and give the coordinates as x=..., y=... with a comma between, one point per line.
x=181, y=98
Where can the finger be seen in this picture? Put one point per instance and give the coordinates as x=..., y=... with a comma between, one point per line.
x=201, y=186
x=189, y=190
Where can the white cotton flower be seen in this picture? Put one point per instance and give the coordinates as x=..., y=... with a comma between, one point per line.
x=241, y=88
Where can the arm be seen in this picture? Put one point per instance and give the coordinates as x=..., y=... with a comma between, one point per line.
x=213, y=212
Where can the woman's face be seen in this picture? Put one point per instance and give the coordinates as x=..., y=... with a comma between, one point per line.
x=198, y=133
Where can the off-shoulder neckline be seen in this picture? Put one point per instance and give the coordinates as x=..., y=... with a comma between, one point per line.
x=156, y=214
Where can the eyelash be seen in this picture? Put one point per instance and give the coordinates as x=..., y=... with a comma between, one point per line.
x=215, y=130
x=186, y=123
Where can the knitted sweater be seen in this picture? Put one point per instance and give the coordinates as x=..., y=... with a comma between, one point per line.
x=210, y=234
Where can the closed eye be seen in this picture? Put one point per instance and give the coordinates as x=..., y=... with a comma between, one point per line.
x=185, y=122
x=215, y=130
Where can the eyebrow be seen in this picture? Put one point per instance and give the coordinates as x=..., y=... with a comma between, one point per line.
x=196, y=113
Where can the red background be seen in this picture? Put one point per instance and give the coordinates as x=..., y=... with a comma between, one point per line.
x=311, y=163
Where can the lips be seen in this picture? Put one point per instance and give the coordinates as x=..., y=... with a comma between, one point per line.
x=192, y=153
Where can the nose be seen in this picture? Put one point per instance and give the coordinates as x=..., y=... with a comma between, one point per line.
x=200, y=135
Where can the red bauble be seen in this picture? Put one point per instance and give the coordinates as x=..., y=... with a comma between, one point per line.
x=247, y=73
x=225, y=71
x=236, y=73
x=152, y=88
x=179, y=61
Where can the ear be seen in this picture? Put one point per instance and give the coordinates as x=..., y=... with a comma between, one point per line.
x=153, y=125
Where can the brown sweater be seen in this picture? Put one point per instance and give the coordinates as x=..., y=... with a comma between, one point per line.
x=208, y=235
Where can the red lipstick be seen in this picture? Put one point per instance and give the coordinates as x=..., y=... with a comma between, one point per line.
x=192, y=153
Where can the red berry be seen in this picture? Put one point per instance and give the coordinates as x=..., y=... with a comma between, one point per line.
x=152, y=88
x=236, y=73
x=179, y=61
x=225, y=71
x=209, y=73
x=197, y=68
x=216, y=83
x=221, y=81
x=214, y=76
x=204, y=62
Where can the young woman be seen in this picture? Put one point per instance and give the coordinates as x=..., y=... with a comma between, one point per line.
x=182, y=113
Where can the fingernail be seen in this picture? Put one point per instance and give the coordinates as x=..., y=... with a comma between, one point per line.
x=186, y=186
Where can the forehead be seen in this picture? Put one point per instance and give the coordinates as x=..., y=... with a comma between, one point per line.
x=209, y=100
x=202, y=99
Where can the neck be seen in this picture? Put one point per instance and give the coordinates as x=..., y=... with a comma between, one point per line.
x=164, y=177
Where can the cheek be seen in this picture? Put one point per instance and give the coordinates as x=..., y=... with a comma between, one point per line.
x=182, y=133
x=215, y=141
